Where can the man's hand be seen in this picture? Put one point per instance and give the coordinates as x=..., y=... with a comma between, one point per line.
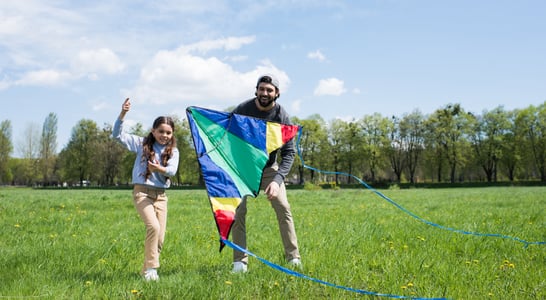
x=272, y=190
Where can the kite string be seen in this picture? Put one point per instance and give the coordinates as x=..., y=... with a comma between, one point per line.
x=526, y=243
x=296, y=274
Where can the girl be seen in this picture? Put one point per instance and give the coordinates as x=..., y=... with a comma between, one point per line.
x=156, y=161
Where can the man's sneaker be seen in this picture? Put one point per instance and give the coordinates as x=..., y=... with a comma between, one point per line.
x=239, y=267
x=151, y=275
x=295, y=262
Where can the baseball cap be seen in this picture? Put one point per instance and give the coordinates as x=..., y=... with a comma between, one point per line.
x=268, y=78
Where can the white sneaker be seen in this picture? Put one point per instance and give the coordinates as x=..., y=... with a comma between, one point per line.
x=295, y=262
x=239, y=267
x=151, y=275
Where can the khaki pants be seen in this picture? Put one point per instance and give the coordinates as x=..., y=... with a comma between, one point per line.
x=151, y=205
x=284, y=219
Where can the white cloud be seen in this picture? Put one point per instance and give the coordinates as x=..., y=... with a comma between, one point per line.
x=316, y=55
x=179, y=76
x=330, y=86
x=44, y=77
x=97, y=61
x=236, y=58
x=230, y=43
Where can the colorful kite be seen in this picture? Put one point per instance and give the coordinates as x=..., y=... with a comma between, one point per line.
x=232, y=151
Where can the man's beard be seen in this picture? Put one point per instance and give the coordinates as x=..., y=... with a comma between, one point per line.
x=265, y=101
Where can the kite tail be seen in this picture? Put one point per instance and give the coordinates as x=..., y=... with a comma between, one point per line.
x=296, y=274
x=526, y=243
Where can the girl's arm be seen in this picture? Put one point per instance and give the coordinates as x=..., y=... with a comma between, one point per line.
x=125, y=107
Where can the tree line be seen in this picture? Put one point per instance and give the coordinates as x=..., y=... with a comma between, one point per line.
x=450, y=145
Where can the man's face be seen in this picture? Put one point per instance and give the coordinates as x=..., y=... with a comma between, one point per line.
x=266, y=93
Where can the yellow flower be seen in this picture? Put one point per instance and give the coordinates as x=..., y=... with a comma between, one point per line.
x=134, y=292
x=228, y=282
x=410, y=284
x=88, y=283
x=17, y=225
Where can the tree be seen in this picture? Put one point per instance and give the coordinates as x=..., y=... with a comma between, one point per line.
x=111, y=154
x=6, y=148
x=312, y=142
x=396, y=148
x=79, y=157
x=487, y=139
x=48, y=147
x=375, y=140
x=533, y=123
x=412, y=134
x=188, y=166
x=29, y=147
x=450, y=127
x=335, y=136
x=512, y=146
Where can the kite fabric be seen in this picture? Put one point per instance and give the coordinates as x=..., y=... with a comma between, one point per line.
x=232, y=151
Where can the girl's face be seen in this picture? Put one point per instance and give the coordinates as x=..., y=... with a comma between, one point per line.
x=163, y=133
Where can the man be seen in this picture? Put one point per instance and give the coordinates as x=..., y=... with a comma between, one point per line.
x=265, y=106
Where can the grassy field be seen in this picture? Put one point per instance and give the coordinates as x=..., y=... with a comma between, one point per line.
x=88, y=244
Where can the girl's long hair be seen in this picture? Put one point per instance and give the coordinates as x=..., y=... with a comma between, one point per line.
x=148, y=152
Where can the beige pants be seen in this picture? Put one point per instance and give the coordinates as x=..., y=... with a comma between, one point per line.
x=284, y=219
x=151, y=205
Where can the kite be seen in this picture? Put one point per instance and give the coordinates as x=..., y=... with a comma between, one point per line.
x=232, y=151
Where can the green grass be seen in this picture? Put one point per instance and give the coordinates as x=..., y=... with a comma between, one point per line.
x=88, y=244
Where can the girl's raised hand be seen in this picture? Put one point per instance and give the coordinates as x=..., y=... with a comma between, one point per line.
x=126, y=105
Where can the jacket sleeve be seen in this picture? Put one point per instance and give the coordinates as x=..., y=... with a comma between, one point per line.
x=128, y=140
x=172, y=163
x=288, y=154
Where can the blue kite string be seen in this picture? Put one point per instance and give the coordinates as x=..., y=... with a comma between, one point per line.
x=296, y=274
x=526, y=243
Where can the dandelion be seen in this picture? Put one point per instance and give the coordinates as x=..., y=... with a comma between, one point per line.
x=507, y=264
x=410, y=284
x=17, y=225
x=134, y=292
x=228, y=282
x=88, y=283
x=404, y=287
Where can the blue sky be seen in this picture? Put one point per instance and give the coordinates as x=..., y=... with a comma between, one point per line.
x=338, y=59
